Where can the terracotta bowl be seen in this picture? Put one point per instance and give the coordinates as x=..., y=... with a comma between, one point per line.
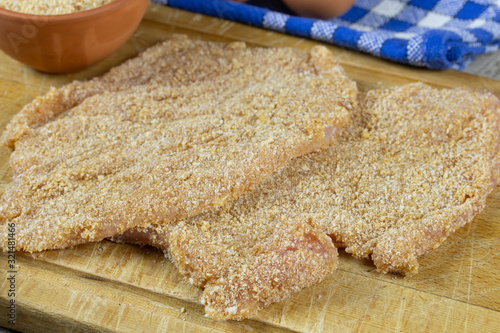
x=70, y=42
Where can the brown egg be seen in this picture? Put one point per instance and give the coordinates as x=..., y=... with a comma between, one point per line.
x=323, y=9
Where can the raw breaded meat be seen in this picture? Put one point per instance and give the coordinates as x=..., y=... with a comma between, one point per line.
x=182, y=64
x=417, y=164
x=178, y=130
x=242, y=264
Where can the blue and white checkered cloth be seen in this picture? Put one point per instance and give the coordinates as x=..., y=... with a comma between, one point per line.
x=437, y=34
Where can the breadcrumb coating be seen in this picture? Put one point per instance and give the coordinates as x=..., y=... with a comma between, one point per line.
x=243, y=265
x=417, y=164
x=181, y=129
x=181, y=62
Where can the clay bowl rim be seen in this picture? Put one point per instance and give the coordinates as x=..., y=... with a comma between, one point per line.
x=61, y=18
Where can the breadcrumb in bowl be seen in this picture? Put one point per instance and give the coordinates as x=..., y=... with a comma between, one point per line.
x=69, y=42
x=51, y=7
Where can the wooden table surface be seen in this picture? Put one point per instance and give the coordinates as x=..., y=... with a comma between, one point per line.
x=487, y=65
x=112, y=287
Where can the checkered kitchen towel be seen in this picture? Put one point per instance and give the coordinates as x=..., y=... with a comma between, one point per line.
x=437, y=34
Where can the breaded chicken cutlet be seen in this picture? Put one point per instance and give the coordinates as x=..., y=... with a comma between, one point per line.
x=417, y=165
x=243, y=265
x=182, y=128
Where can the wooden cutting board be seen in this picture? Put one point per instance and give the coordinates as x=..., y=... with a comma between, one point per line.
x=111, y=287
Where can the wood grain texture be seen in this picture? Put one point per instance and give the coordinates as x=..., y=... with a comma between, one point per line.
x=487, y=65
x=113, y=287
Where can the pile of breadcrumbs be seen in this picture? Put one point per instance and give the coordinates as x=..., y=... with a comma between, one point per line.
x=51, y=7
